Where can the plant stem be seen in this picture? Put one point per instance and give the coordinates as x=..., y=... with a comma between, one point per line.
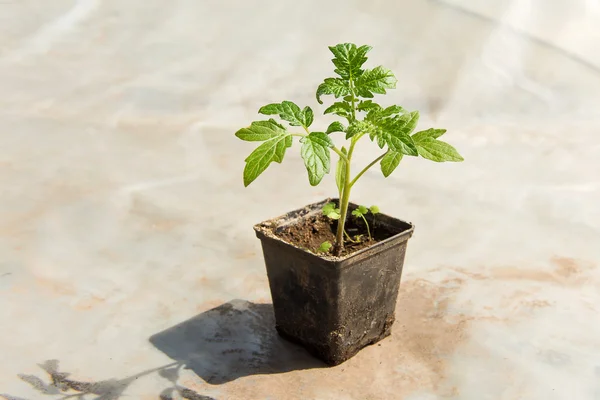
x=342, y=155
x=339, y=237
x=344, y=200
x=348, y=236
x=366, y=168
x=367, y=224
x=345, y=197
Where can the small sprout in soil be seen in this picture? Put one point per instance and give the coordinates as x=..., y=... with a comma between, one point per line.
x=325, y=246
x=374, y=210
x=360, y=213
x=330, y=211
x=391, y=128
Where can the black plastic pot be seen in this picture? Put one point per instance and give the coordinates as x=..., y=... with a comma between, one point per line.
x=334, y=306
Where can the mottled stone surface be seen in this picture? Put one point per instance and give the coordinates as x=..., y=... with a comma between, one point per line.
x=123, y=216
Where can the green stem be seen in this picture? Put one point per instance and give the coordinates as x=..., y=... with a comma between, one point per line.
x=348, y=236
x=367, y=224
x=366, y=168
x=339, y=236
x=342, y=155
x=345, y=195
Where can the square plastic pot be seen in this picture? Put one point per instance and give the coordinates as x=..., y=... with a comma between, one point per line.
x=334, y=306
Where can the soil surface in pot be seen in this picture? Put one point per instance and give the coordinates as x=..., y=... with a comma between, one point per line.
x=310, y=232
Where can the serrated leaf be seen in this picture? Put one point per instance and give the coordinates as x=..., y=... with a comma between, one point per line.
x=406, y=123
x=348, y=99
x=357, y=127
x=290, y=112
x=381, y=141
x=271, y=150
x=374, y=209
x=396, y=133
x=400, y=143
x=335, y=86
x=428, y=133
x=260, y=131
x=391, y=110
x=270, y=109
x=363, y=210
x=348, y=59
x=335, y=127
x=339, y=108
x=368, y=105
x=315, y=152
x=356, y=213
x=438, y=151
x=390, y=161
x=340, y=172
x=330, y=211
x=375, y=80
x=325, y=246
x=308, y=115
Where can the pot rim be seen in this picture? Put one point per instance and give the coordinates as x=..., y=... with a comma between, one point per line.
x=265, y=229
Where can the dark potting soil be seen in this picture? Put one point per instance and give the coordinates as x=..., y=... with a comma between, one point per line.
x=310, y=232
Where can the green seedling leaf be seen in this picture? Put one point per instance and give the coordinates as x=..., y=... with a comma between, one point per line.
x=324, y=247
x=429, y=133
x=335, y=86
x=349, y=59
x=335, y=127
x=401, y=144
x=315, y=152
x=340, y=172
x=368, y=105
x=395, y=131
x=438, y=151
x=432, y=149
x=375, y=80
x=290, y=112
x=391, y=110
x=390, y=161
x=406, y=123
x=391, y=128
x=330, y=211
x=271, y=150
x=357, y=127
x=308, y=115
x=260, y=131
x=360, y=211
x=339, y=108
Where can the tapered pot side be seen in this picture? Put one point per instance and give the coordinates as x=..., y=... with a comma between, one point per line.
x=334, y=306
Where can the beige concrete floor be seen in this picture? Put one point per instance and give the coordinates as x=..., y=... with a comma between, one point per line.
x=123, y=216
